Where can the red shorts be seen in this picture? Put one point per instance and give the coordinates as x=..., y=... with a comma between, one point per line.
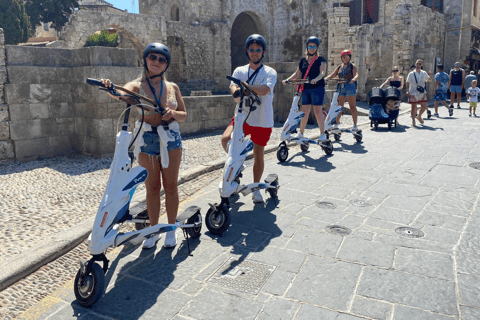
x=258, y=135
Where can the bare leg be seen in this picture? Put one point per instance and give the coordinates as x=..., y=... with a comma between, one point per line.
x=226, y=136
x=459, y=97
x=423, y=107
x=304, y=120
x=170, y=178
x=452, y=98
x=352, y=102
x=413, y=112
x=152, y=184
x=341, y=102
x=320, y=117
x=435, y=104
x=258, y=163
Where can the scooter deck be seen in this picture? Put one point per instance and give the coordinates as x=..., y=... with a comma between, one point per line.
x=187, y=213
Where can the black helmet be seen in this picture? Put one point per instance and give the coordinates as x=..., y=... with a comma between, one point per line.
x=256, y=38
x=313, y=40
x=156, y=47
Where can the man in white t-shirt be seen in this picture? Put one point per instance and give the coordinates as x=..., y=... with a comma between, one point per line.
x=417, y=92
x=260, y=122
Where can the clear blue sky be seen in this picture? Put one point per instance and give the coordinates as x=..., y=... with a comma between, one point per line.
x=124, y=4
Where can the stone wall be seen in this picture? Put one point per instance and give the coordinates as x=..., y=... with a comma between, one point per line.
x=6, y=145
x=52, y=111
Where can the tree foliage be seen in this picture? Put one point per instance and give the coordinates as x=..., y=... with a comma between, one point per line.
x=14, y=21
x=104, y=39
x=50, y=11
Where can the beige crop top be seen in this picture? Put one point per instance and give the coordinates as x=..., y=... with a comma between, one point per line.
x=171, y=99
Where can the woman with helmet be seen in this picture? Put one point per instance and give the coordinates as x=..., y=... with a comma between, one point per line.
x=262, y=80
x=347, y=74
x=313, y=67
x=161, y=169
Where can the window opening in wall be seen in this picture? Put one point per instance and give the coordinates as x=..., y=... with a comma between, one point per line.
x=363, y=11
x=475, y=7
x=437, y=5
x=175, y=13
x=370, y=11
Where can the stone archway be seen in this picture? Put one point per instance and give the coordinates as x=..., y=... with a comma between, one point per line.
x=245, y=24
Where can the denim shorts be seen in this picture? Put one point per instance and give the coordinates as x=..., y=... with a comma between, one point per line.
x=347, y=89
x=440, y=96
x=152, y=142
x=455, y=88
x=313, y=96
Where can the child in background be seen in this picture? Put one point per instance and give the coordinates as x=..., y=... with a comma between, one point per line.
x=391, y=105
x=473, y=93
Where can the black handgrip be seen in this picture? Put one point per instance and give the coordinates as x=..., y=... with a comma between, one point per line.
x=95, y=82
x=237, y=81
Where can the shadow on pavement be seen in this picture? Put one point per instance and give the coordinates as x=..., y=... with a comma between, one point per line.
x=320, y=164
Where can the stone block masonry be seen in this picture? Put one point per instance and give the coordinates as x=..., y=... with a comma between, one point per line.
x=6, y=145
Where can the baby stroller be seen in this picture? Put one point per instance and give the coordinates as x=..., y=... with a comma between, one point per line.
x=377, y=99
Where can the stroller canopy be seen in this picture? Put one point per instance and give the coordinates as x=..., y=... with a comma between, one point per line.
x=392, y=93
x=375, y=96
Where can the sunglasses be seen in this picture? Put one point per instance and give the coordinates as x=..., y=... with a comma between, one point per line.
x=418, y=64
x=394, y=70
x=312, y=47
x=153, y=58
x=255, y=50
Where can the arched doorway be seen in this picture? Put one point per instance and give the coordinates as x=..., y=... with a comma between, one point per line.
x=243, y=26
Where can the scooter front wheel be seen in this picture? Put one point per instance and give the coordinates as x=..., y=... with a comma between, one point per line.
x=328, y=149
x=337, y=136
x=358, y=137
x=89, y=287
x=304, y=147
x=282, y=153
x=218, y=219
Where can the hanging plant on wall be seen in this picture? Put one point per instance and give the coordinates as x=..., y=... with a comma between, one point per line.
x=102, y=39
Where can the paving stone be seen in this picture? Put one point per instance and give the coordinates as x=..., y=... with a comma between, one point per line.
x=470, y=243
x=406, y=313
x=460, y=199
x=367, y=252
x=280, y=309
x=411, y=290
x=445, y=221
x=454, y=211
x=429, y=264
x=415, y=204
x=469, y=288
x=468, y=263
x=394, y=215
x=253, y=240
x=225, y=307
x=313, y=242
x=308, y=312
x=358, y=181
x=404, y=191
x=372, y=308
x=414, y=243
x=333, y=191
x=469, y=313
x=441, y=235
x=351, y=221
x=287, y=260
x=278, y=282
x=313, y=224
x=325, y=282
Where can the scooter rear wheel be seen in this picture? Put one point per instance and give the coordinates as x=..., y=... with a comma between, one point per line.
x=89, y=288
x=218, y=219
x=282, y=153
x=328, y=149
x=304, y=147
x=337, y=136
x=358, y=137
x=195, y=231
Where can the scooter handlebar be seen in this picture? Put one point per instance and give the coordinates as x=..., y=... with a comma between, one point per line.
x=95, y=82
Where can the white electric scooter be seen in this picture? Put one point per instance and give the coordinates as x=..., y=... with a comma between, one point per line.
x=218, y=217
x=337, y=132
x=114, y=210
x=290, y=127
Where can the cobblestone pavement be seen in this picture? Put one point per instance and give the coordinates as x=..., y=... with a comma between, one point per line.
x=42, y=198
x=383, y=229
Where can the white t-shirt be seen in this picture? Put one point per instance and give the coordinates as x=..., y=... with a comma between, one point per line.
x=263, y=115
x=422, y=78
x=473, y=94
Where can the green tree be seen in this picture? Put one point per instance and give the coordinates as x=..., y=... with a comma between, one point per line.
x=14, y=21
x=50, y=11
x=103, y=39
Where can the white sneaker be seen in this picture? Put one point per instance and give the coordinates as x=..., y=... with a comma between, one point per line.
x=436, y=114
x=151, y=242
x=322, y=138
x=335, y=126
x=170, y=240
x=299, y=135
x=257, y=197
x=355, y=128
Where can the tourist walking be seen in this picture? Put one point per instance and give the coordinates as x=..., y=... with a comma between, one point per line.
x=456, y=84
x=469, y=78
x=441, y=85
x=347, y=90
x=314, y=68
x=162, y=162
x=416, y=91
x=472, y=95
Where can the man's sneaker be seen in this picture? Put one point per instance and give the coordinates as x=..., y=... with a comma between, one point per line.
x=151, y=242
x=458, y=106
x=436, y=114
x=355, y=128
x=474, y=114
x=170, y=240
x=257, y=197
x=322, y=138
x=469, y=114
x=450, y=111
